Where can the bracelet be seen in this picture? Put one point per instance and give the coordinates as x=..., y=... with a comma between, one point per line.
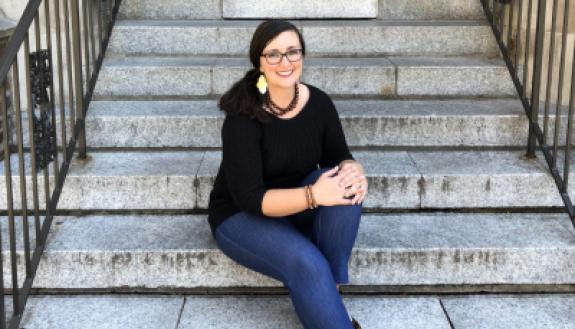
x=314, y=204
x=308, y=197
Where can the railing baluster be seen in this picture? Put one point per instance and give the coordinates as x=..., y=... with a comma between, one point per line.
x=527, y=49
x=51, y=108
x=46, y=169
x=28, y=85
x=518, y=36
x=91, y=27
x=69, y=63
x=2, y=297
x=9, y=197
x=550, y=71
x=84, y=24
x=21, y=162
x=561, y=82
x=100, y=24
x=536, y=79
x=569, y=139
x=37, y=31
x=76, y=44
x=510, y=26
x=109, y=13
x=62, y=104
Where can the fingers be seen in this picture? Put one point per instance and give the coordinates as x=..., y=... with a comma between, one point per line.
x=330, y=172
x=356, y=198
x=349, y=176
x=354, y=182
x=359, y=193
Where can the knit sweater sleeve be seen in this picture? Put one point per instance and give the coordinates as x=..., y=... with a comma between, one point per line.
x=242, y=162
x=334, y=145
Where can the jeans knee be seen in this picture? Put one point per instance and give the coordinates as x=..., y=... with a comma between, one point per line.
x=347, y=210
x=307, y=266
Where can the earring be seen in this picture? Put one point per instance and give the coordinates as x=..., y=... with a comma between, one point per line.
x=262, y=84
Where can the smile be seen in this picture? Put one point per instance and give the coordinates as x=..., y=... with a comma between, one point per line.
x=284, y=74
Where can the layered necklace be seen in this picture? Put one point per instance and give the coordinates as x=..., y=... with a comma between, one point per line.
x=277, y=110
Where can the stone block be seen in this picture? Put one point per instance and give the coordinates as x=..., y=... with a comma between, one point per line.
x=484, y=180
x=431, y=10
x=171, y=9
x=511, y=312
x=300, y=9
x=452, y=77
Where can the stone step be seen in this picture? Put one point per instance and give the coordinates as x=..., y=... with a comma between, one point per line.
x=216, y=37
x=197, y=123
x=261, y=312
x=178, y=252
x=388, y=9
x=398, y=180
x=387, y=76
x=430, y=9
x=171, y=9
x=300, y=9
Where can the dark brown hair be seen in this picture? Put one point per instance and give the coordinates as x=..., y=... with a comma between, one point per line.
x=243, y=97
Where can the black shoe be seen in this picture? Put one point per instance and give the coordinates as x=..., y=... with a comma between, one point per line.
x=355, y=324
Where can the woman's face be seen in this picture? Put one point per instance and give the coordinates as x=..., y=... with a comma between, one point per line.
x=285, y=74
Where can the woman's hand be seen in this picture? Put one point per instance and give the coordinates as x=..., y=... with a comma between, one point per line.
x=352, y=177
x=327, y=190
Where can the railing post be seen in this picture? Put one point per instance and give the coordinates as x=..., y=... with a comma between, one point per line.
x=536, y=85
x=78, y=81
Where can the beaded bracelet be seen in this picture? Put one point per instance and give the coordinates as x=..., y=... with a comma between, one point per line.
x=311, y=202
x=308, y=197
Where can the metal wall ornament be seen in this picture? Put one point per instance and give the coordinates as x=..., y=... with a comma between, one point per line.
x=44, y=127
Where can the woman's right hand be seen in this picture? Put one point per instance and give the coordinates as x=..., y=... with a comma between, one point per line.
x=327, y=192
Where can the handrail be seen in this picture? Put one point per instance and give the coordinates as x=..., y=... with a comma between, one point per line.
x=502, y=14
x=36, y=84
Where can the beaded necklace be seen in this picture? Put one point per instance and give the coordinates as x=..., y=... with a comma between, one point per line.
x=277, y=110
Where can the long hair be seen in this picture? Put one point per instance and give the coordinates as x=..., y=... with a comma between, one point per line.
x=243, y=97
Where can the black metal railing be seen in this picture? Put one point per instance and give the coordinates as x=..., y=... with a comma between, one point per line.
x=47, y=76
x=536, y=38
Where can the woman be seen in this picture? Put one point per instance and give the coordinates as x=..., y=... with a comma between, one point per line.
x=287, y=197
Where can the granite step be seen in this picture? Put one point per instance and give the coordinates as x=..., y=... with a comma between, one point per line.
x=139, y=252
x=337, y=9
x=261, y=312
x=398, y=180
x=367, y=38
x=387, y=76
x=430, y=9
x=387, y=9
x=398, y=123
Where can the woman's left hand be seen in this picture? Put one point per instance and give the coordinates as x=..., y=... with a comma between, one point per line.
x=353, y=178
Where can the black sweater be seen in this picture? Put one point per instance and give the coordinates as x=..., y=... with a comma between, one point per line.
x=257, y=156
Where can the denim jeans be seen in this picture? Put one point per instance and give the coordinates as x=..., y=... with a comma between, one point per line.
x=308, y=252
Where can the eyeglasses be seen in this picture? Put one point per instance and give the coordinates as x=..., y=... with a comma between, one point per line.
x=275, y=57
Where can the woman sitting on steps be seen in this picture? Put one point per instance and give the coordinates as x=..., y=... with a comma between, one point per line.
x=288, y=195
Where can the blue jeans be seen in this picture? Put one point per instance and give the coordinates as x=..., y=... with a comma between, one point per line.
x=308, y=251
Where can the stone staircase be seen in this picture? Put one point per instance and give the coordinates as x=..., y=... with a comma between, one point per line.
x=427, y=106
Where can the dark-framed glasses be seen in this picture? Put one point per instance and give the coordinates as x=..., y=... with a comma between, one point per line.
x=275, y=57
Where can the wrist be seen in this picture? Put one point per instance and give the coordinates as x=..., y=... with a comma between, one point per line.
x=313, y=195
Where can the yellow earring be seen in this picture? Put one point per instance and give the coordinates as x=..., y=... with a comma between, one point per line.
x=262, y=84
